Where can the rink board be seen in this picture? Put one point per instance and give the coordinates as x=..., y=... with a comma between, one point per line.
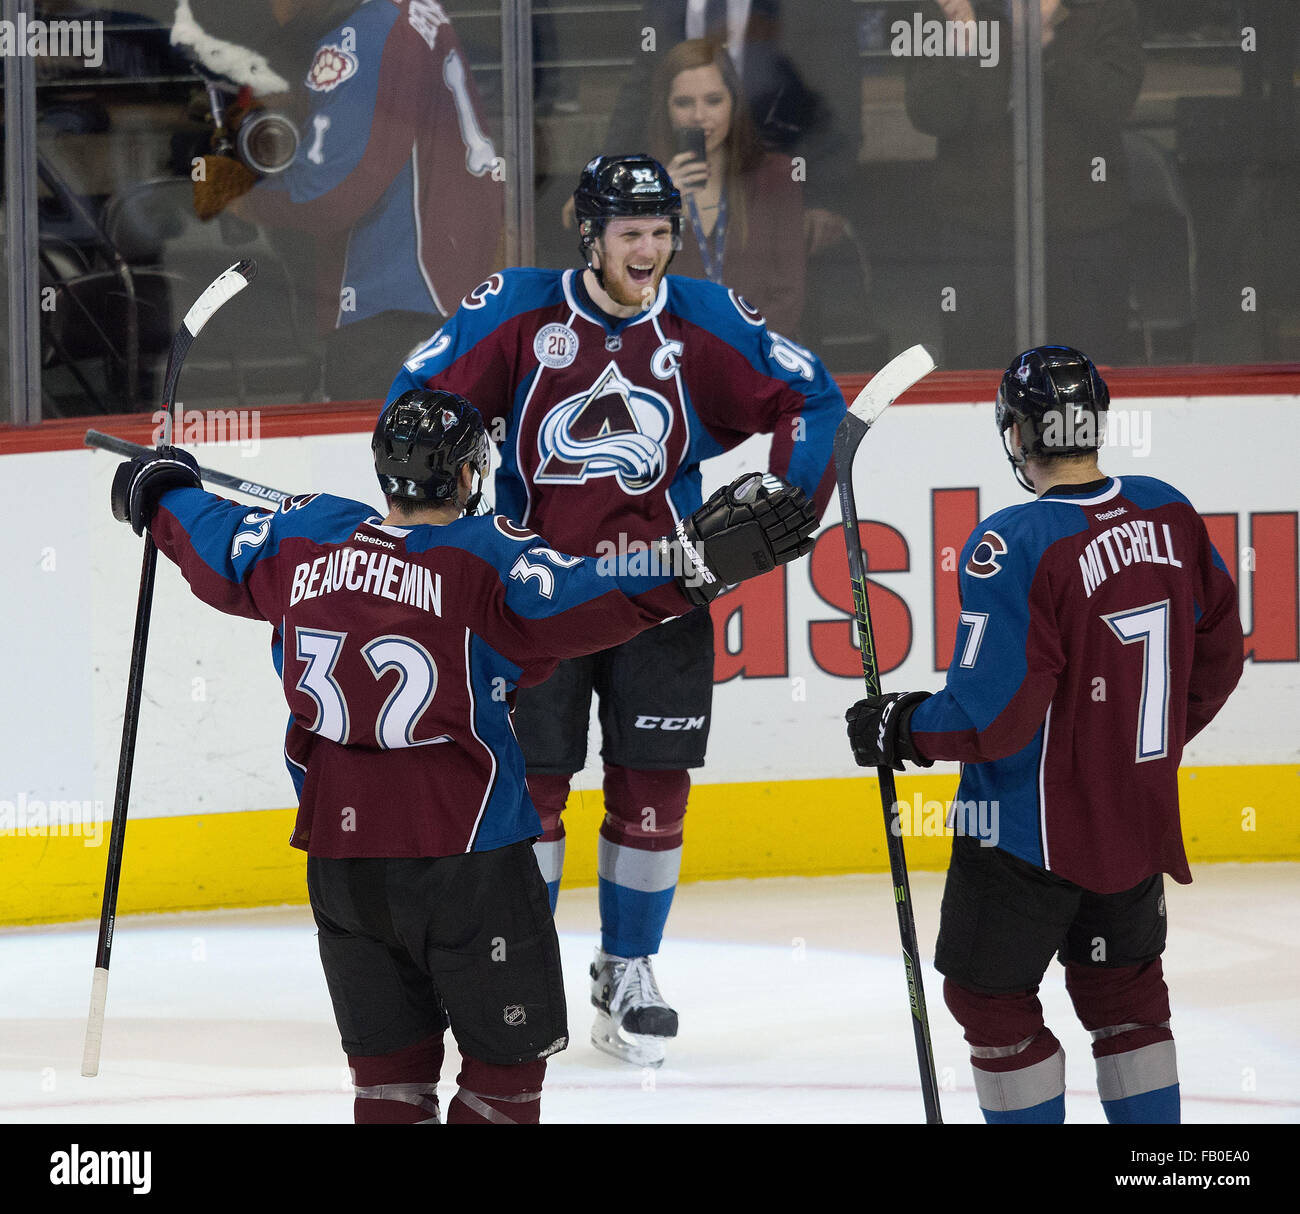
x=780, y=794
x=792, y=829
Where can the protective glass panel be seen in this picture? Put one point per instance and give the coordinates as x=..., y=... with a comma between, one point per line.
x=775, y=208
x=1212, y=233
x=347, y=147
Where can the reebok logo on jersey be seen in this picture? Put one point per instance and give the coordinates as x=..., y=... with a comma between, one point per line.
x=983, y=561
x=1111, y=514
x=370, y=539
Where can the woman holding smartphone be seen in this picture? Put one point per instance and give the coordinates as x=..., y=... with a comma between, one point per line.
x=742, y=207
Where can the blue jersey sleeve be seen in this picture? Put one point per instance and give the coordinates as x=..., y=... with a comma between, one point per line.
x=755, y=381
x=1007, y=658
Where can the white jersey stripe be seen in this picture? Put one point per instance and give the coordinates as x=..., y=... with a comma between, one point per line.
x=492, y=778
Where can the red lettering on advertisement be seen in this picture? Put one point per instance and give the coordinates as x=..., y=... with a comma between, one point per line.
x=1270, y=564
x=831, y=641
x=758, y=608
x=954, y=514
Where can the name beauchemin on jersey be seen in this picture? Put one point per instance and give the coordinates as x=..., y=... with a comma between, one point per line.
x=377, y=573
x=1125, y=544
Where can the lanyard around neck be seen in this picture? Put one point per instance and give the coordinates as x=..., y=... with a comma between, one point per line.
x=711, y=257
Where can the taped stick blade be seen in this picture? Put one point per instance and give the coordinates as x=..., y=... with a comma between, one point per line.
x=224, y=287
x=890, y=382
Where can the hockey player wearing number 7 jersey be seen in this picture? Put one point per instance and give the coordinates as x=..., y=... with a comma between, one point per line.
x=400, y=642
x=1099, y=634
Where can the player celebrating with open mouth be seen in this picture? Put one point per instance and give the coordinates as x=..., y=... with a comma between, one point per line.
x=605, y=389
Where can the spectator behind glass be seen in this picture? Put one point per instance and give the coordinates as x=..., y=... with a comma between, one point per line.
x=742, y=211
x=774, y=45
x=394, y=175
x=1092, y=73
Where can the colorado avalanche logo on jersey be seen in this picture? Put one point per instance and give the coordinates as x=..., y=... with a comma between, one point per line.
x=615, y=428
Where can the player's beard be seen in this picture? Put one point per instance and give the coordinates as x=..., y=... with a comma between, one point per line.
x=625, y=291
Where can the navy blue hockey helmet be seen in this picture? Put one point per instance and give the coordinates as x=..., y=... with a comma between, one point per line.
x=624, y=187
x=1059, y=401
x=422, y=441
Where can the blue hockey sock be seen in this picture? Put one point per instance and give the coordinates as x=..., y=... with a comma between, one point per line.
x=550, y=859
x=1162, y=1106
x=636, y=893
x=1050, y=1112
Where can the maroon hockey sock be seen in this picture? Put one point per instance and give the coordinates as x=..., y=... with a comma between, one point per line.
x=549, y=794
x=1132, y=997
x=644, y=809
x=1017, y=1061
x=400, y=1088
x=497, y=1095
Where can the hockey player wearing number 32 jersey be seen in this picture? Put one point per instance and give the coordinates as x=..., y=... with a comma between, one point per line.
x=606, y=388
x=1099, y=634
x=400, y=642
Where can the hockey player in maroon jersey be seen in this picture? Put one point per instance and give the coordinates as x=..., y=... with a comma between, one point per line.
x=606, y=388
x=1099, y=634
x=400, y=642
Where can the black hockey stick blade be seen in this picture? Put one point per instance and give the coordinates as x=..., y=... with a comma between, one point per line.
x=211, y=476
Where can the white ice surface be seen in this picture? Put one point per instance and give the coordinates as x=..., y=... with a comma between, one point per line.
x=791, y=995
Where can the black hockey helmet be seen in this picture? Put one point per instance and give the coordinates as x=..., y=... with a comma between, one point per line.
x=422, y=441
x=624, y=187
x=1059, y=401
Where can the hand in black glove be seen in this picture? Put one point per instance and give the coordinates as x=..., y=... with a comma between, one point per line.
x=140, y=482
x=880, y=730
x=750, y=526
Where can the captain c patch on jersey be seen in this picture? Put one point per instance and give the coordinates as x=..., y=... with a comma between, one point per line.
x=983, y=560
x=615, y=428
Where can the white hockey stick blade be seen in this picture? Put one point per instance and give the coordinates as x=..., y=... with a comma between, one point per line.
x=95, y=1023
x=224, y=287
x=890, y=382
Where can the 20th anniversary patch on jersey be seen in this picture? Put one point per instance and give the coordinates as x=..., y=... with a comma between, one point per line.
x=555, y=346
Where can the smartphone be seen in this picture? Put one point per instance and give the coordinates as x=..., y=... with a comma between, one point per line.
x=690, y=139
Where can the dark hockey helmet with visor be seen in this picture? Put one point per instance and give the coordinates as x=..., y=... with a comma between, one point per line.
x=624, y=187
x=1059, y=401
x=422, y=441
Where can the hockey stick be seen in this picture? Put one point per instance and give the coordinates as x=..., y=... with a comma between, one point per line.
x=121, y=446
x=222, y=288
x=885, y=387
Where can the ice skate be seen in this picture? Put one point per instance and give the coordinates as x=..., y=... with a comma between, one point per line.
x=632, y=1018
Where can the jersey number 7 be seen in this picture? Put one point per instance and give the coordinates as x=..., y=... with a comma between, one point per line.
x=1149, y=626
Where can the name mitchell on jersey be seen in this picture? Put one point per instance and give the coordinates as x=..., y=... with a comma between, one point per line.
x=1135, y=542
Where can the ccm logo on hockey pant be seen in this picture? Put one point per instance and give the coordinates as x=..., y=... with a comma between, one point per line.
x=643, y=722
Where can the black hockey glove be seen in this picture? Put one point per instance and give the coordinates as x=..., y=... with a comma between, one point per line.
x=880, y=729
x=140, y=482
x=754, y=524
